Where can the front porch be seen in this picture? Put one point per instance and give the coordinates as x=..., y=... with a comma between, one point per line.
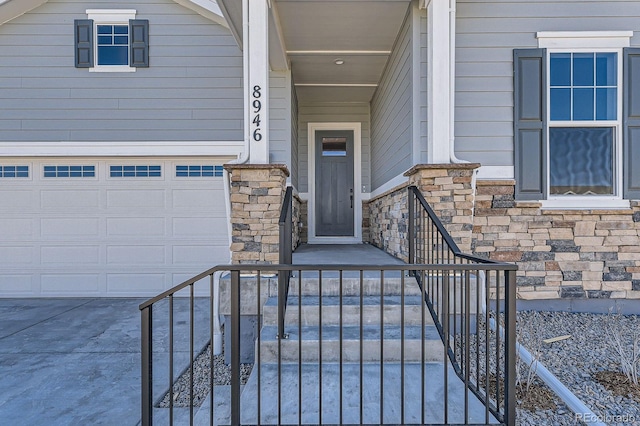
x=365, y=338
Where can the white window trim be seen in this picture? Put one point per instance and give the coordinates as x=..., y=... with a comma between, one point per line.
x=588, y=41
x=109, y=16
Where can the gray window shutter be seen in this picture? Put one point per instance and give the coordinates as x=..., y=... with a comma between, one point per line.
x=84, y=43
x=139, y=39
x=631, y=124
x=530, y=123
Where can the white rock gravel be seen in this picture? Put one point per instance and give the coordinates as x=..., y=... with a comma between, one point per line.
x=574, y=361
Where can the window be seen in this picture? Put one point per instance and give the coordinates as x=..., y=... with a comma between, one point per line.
x=14, y=171
x=69, y=171
x=135, y=171
x=198, y=171
x=583, y=123
x=111, y=41
x=576, y=134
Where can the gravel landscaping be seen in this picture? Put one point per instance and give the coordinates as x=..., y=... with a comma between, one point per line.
x=585, y=362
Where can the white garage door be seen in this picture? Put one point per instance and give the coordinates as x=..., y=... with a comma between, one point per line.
x=108, y=227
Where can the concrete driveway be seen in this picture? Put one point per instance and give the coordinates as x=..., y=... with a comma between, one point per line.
x=77, y=361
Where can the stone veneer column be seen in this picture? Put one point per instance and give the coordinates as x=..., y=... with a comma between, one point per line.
x=257, y=192
x=448, y=189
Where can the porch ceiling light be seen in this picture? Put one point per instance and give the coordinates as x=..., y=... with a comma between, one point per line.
x=339, y=61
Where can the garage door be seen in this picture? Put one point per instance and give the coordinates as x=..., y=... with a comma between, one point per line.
x=108, y=227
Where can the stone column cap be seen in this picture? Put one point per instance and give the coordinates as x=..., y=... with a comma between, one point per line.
x=231, y=167
x=447, y=166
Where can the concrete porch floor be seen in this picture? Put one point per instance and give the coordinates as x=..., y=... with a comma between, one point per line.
x=340, y=254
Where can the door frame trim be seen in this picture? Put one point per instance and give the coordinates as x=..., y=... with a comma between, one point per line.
x=356, y=127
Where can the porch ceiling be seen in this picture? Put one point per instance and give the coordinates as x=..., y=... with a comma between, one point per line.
x=313, y=34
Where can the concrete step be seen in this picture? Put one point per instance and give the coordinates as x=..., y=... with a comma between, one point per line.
x=310, y=336
x=349, y=313
x=351, y=285
x=300, y=391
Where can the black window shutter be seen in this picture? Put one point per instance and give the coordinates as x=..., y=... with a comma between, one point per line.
x=530, y=123
x=139, y=42
x=631, y=123
x=84, y=43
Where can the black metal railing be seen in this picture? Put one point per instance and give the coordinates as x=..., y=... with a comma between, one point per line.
x=474, y=309
x=285, y=256
x=362, y=348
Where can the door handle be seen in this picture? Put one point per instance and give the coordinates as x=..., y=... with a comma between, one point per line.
x=351, y=196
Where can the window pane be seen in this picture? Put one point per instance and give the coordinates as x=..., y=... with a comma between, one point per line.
x=105, y=29
x=606, y=104
x=583, y=69
x=581, y=161
x=121, y=29
x=113, y=55
x=583, y=104
x=560, y=69
x=105, y=39
x=560, y=104
x=120, y=40
x=334, y=147
x=606, y=69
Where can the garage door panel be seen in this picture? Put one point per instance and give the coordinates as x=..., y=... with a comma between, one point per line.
x=195, y=198
x=72, y=284
x=12, y=228
x=16, y=201
x=132, y=284
x=70, y=227
x=140, y=226
x=57, y=254
x=17, y=255
x=136, y=198
x=16, y=285
x=136, y=255
x=69, y=199
x=204, y=227
x=194, y=254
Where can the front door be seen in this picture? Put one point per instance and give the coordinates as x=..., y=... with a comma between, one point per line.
x=334, y=195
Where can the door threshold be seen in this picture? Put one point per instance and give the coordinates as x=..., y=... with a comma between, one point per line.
x=335, y=240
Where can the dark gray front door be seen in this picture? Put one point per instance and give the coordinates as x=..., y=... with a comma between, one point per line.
x=334, y=183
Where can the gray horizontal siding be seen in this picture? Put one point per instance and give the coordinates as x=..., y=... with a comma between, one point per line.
x=191, y=91
x=391, y=114
x=333, y=113
x=487, y=33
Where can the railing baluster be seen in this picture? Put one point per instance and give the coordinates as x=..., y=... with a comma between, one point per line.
x=146, y=327
x=467, y=338
x=340, y=344
x=361, y=345
x=235, y=347
x=300, y=347
x=402, y=307
x=320, y=346
x=212, y=321
x=381, y=347
x=258, y=359
x=510, y=347
x=191, y=353
x=171, y=360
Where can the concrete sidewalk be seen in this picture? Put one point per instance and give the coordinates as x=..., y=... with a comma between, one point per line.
x=77, y=361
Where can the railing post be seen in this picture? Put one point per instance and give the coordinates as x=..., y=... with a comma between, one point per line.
x=411, y=228
x=285, y=257
x=235, y=348
x=510, y=347
x=147, y=366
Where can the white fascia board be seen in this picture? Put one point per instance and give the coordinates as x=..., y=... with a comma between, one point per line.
x=11, y=9
x=207, y=8
x=121, y=149
x=583, y=39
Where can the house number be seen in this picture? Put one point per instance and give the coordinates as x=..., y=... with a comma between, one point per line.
x=257, y=107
